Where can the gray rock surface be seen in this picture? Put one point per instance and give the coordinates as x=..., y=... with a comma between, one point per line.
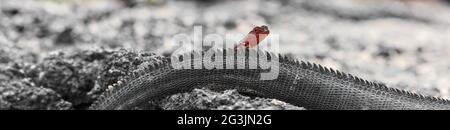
x=203, y=99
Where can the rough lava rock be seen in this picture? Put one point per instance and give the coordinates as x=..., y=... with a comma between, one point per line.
x=205, y=99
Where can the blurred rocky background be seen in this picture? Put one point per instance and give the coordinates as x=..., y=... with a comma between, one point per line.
x=60, y=54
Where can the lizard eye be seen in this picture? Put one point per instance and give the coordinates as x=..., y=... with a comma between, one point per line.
x=265, y=28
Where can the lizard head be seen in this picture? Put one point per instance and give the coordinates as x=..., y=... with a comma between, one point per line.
x=261, y=30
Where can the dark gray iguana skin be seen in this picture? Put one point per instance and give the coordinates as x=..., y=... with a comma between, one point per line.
x=300, y=83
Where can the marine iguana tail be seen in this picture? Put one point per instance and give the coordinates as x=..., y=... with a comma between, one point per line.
x=300, y=83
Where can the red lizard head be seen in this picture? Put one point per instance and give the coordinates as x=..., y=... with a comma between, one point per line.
x=249, y=41
x=261, y=30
